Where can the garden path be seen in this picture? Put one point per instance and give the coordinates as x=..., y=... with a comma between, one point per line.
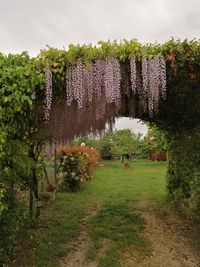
x=169, y=242
x=170, y=239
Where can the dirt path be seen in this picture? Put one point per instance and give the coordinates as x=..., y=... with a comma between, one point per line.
x=168, y=236
x=77, y=256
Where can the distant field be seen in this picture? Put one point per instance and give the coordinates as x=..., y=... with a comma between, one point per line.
x=144, y=179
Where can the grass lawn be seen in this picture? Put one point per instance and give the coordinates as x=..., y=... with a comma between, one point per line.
x=106, y=208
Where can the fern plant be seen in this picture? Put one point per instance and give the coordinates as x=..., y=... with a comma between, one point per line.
x=16, y=165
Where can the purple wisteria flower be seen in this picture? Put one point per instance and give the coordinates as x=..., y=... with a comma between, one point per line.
x=48, y=93
x=133, y=74
x=112, y=81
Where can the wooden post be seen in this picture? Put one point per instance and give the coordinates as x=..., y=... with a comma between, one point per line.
x=55, y=173
x=55, y=166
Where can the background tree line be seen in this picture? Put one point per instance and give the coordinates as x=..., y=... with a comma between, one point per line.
x=125, y=144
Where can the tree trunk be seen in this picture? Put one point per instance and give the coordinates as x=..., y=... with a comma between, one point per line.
x=34, y=185
x=30, y=203
x=55, y=166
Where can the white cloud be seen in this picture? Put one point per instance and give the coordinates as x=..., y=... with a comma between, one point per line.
x=134, y=125
x=30, y=25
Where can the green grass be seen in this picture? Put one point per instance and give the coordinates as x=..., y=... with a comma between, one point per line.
x=121, y=226
x=145, y=179
x=112, y=194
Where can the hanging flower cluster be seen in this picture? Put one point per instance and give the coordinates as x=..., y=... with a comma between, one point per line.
x=99, y=87
x=133, y=74
x=112, y=81
x=96, y=93
x=88, y=86
x=153, y=82
x=74, y=84
x=48, y=93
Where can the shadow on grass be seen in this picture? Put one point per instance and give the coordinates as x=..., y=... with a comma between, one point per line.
x=119, y=224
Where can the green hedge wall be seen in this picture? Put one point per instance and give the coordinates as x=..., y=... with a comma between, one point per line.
x=183, y=172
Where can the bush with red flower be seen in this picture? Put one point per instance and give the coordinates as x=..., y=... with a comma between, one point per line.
x=75, y=166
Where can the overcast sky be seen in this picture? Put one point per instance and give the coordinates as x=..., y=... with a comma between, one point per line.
x=32, y=24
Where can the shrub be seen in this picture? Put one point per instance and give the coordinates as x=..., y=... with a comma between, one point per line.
x=76, y=165
x=15, y=170
x=12, y=229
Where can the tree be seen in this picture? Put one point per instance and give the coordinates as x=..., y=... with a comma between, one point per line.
x=127, y=144
x=105, y=146
x=156, y=139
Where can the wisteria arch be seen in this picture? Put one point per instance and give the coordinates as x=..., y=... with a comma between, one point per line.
x=97, y=93
x=78, y=90
x=88, y=86
x=159, y=84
